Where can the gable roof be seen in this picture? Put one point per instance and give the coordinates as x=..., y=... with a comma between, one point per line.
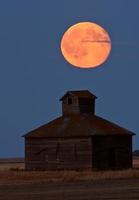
x=77, y=126
x=79, y=94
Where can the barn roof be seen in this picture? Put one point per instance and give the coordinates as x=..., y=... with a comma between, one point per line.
x=78, y=126
x=79, y=93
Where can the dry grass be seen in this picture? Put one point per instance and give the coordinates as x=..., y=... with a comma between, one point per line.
x=136, y=162
x=13, y=172
x=11, y=163
x=60, y=176
x=8, y=166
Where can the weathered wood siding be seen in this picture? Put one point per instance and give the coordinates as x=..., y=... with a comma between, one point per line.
x=53, y=154
x=70, y=108
x=78, y=105
x=112, y=152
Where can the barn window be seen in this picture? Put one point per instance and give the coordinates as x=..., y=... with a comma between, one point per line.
x=64, y=102
x=69, y=100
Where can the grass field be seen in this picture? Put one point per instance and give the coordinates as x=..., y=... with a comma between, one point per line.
x=15, y=183
x=136, y=162
x=11, y=163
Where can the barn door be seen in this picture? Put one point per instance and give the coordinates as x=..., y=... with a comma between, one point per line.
x=111, y=158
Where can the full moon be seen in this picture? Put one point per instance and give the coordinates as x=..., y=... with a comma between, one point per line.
x=86, y=45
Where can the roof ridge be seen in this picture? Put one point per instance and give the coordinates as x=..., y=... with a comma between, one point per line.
x=114, y=124
x=78, y=126
x=78, y=92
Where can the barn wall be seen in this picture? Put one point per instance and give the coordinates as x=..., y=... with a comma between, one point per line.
x=70, y=108
x=112, y=152
x=78, y=105
x=52, y=154
x=86, y=105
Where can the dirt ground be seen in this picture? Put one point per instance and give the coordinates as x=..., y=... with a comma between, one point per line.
x=81, y=190
x=17, y=184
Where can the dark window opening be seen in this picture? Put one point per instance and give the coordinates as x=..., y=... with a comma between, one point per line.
x=86, y=105
x=69, y=100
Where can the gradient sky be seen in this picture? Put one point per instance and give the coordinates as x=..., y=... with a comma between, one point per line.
x=34, y=74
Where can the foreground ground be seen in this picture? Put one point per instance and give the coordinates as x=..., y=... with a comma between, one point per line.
x=16, y=184
x=80, y=190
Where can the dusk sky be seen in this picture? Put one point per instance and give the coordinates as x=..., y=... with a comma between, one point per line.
x=34, y=74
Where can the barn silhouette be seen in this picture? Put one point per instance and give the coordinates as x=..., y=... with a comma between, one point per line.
x=79, y=139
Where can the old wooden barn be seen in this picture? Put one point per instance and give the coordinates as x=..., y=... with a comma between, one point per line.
x=78, y=139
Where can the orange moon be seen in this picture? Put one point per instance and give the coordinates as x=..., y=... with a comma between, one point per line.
x=86, y=45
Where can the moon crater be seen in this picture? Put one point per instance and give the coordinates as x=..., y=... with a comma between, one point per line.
x=86, y=45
